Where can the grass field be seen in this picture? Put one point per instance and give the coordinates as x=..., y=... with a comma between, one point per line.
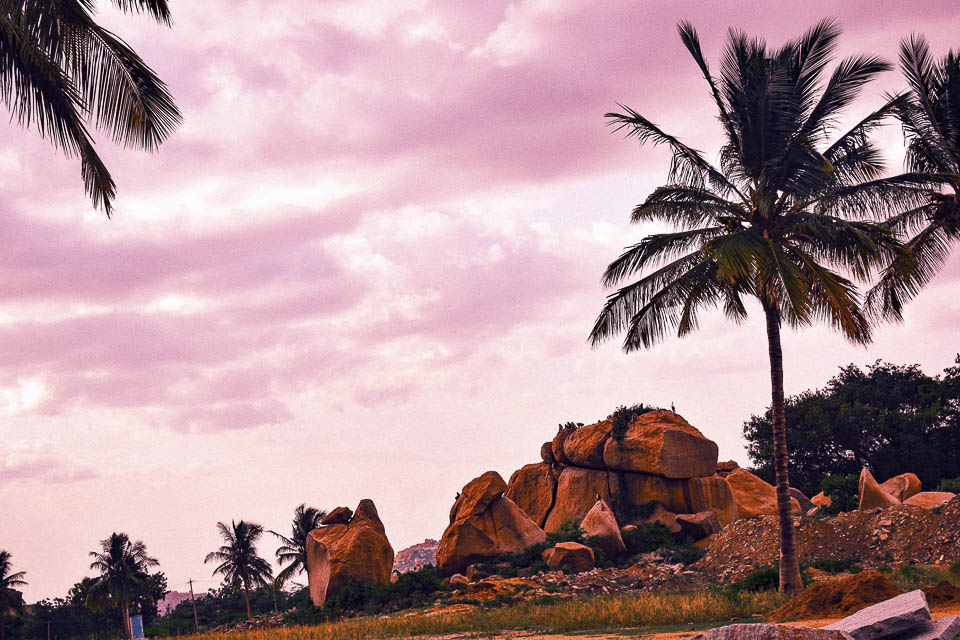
x=556, y=616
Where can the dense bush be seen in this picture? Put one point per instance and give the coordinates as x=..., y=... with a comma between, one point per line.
x=955, y=567
x=765, y=579
x=648, y=537
x=950, y=484
x=837, y=566
x=843, y=491
x=622, y=416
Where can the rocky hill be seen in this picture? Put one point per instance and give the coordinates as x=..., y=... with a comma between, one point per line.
x=416, y=556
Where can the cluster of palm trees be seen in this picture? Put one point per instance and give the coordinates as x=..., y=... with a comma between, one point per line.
x=124, y=564
x=793, y=217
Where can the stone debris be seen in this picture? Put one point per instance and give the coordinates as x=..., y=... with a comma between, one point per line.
x=886, y=619
x=769, y=632
x=942, y=629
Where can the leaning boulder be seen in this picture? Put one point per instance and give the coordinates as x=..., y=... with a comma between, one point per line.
x=662, y=443
x=571, y=557
x=601, y=523
x=805, y=503
x=902, y=486
x=930, y=499
x=577, y=491
x=755, y=497
x=357, y=551
x=871, y=495
x=885, y=619
x=477, y=495
x=532, y=488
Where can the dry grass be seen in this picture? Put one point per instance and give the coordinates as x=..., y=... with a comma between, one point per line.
x=564, y=614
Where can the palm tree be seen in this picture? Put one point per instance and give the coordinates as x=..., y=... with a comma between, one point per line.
x=11, y=600
x=239, y=563
x=294, y=548
x=123, y=575
x=60, y=71
x=931, y=124
x=778, y=221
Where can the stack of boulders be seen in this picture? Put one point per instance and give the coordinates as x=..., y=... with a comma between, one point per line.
x=348, y=547
x=902, y=489
x=905, y=617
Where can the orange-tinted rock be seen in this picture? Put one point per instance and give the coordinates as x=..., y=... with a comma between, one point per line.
x=546, y=452
x=705, y=542
x=577, y=491
x=871, y=495
x=584, y=447
x=821, y=500
x=930, y=499
x=532, y=488
x=502, y=527
x=725, y=467
x=804, y=502
x=571, y=557
x=557, y=446
x=600, y=522
x=699, y=525
x=754, y=497
x=318, y=571
x=902, y=486
x=663, y=444
x=477, y=495
x=711, y=494
x=340, y=515
x=664, y=517
x=357, y=551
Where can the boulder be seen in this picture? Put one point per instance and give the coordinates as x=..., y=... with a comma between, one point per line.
x=705, y=543
x=664, y=444
x=725, y=467
x=502, y=527
x=571, y=557
x=532, y=488
x=664, y=517
x=821, y=500
x=358, y=551
x=557, y=445
x=902, y=486
x=711, y=494
x=477, y=495
x=942, y=629
x=754, y=497
x=765, y=631
x=318, y=572
x=805, y=503
x=602, y=523
x=698, y=526
x=458, y=580
x=577, y=491
x=340, y=515
x=584, y=447
x=885, y=619
x=871, y=495
x=546, y=452
x=930, y=499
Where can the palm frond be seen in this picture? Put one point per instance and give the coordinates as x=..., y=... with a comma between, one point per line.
x=156, y=8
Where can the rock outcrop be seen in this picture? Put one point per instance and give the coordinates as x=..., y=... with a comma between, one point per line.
x=416, y=556
x=872, y=495
x=662, y=443
x=358, y=550
x=484, y=525
x=930, y=499
x=601, y=523
x=532, y=488
x=754, y=497
x=902, y=486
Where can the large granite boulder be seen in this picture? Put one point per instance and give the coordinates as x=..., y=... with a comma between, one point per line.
x=755, y=497
x=532, y=488
x=821, y=500
x=557, y=446
x=571, y=557
x=340, y=515
x=584, y=447
x=577, y=491
x=872, y=496
x=318, y=571
x=711, y=494
x=663, y=444
x=601, y=523
x=765, y=631
x=356, y=551
x=902, y=486
x=546, y=452
x=478, y=535
x=886, y=619
x=930, y=499
x=805, y=503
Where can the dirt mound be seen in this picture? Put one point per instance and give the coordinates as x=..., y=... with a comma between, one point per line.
x=839, y=597
x=942, y=593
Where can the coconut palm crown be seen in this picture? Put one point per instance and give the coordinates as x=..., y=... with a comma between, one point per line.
x=781, y=220
x=931, y=124
x=123, y=576
x=240, y=565
x=60, y=71
x=294, y=548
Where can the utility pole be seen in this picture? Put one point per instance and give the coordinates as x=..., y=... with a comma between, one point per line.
x=193, y=600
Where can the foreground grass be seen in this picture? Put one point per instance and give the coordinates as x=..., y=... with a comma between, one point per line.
x=557, y=616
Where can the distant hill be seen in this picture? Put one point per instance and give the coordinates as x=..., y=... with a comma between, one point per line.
x=416, y=557
x=171, y=600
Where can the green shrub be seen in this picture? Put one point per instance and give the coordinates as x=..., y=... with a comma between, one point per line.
x=648, y=537
x=837, y=566
x=685, y=554
x=950, y=484
x=843, y=491
x=955, y=567
x=622, y=416
x=569, y=531
x=765, y=579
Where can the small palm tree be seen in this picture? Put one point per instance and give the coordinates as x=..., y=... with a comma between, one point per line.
x=123, y=576
x=60, y=71
x=11, y=600
x=777, y=222
x=931, y=124
x=240, y=565
x=294, y=548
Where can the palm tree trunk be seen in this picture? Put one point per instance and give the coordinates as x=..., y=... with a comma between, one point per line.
x=127, y=627
x=246, y=596
x=790, y=581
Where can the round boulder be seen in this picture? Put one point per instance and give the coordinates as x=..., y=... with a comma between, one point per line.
x=570, y=557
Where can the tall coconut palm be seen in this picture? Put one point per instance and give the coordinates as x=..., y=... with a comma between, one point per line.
x=294, y=548
x=123, y=576
x=778, y=221
x=240, y=565
x=11, y=600
x=931, y=124
x=60, y=71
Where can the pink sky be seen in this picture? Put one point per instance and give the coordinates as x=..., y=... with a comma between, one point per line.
x=366, y=266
